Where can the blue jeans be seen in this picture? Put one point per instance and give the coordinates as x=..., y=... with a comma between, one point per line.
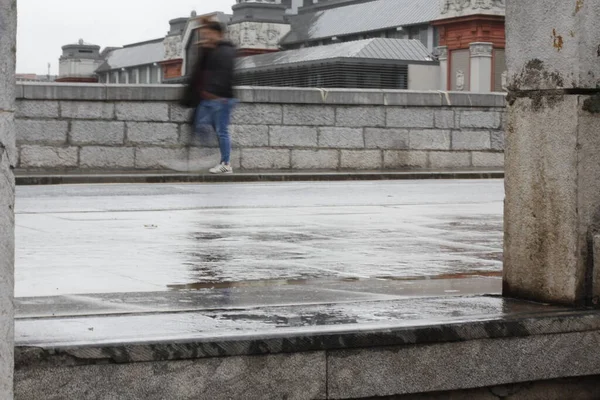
x=216, y=114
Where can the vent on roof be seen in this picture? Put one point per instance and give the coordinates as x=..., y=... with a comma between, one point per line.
x=341, y=74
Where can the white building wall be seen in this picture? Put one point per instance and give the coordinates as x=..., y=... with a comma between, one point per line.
x=77, y=68
x=423, y=77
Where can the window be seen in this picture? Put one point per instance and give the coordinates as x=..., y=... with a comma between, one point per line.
x=436, y=37
x=154, y=74
x=499, y=69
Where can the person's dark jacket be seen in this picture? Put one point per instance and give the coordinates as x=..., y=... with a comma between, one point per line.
x=212, y=76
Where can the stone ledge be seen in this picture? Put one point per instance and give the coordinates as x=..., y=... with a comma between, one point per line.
x=527, y=347
x=275, y=95
x=24, y=177
x=342, y=337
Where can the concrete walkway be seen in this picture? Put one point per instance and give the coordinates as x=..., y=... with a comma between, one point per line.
x=304, y=254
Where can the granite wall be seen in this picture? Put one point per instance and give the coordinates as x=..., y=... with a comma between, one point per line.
x=8, y=28
x=107, y=127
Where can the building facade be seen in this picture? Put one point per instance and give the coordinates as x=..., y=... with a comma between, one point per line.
x=472, y=45
x=79, y=62
x=465, y=39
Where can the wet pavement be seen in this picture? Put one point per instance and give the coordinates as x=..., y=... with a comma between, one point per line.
x=109, y=263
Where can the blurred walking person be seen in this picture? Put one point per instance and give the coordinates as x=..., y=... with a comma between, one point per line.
x=210, y=89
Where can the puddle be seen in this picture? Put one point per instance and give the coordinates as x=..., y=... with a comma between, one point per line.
x=255, y=283
x=462, y=275
x=301, y=282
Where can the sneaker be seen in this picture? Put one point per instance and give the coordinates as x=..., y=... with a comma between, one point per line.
x=221, y=169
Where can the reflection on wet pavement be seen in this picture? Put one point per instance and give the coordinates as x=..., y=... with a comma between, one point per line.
x=269, y=321
x=103, y=263
x=147, y=238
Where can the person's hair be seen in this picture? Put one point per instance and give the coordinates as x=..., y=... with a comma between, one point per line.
x=210, y=24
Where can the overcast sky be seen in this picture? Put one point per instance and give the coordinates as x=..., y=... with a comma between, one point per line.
x=45, y=26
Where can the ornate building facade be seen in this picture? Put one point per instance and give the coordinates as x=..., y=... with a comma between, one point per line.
x=472, y=45
x=465, y=37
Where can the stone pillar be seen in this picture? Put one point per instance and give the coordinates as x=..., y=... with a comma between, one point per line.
x=443, y=57
x=481, y=67
x=552, y=151
x=8, y=29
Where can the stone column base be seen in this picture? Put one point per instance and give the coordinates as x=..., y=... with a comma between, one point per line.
x=552, y=197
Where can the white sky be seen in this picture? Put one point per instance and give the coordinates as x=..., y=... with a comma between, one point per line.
x=45, y=26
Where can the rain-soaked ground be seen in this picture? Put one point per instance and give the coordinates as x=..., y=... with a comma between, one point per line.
x=173, y=258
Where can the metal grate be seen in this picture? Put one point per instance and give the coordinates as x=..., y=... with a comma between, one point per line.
x=343, y=75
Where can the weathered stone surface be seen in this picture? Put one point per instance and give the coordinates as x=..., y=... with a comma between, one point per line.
x=410, y=117
x=292, y=136
x=244, y=94
x=97, y=132
x=259, y=125
x=159, y=157
x=287, y=95
x=579, y=388
x=152, y=133
x=476, y=100
x=553, y=47
x=257, y=114
x=361, y=159
x=265, y=159
x=8, y=135
x=180, y=114
x=250, y=135
x=206, y=137
x=446, y=159
x=354, y=96
x=354, y=374
x=429, y=140
x=8, y=31
x=7, y=201
x=298, y=376
x=405, y=159
x=360, y=116
x=497, y=140
x=308, y=115
x=487, y=159
x=315, y=159
x=63, y=91
x=588, y=187
x=341, y=138
x=87, y=110
x=445, y=119
x=480, y=119
x=48, y=157
x=37, y=109
x=471, y=140
x=43, y=132
x=541, y=250
x=147, y=111
x=386, y=138
x=409, y=98
x=154, y=92
x=107, y=157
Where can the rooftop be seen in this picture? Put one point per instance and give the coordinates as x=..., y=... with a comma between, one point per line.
x=359, y=18
x=134, y=54
x=379, y=48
